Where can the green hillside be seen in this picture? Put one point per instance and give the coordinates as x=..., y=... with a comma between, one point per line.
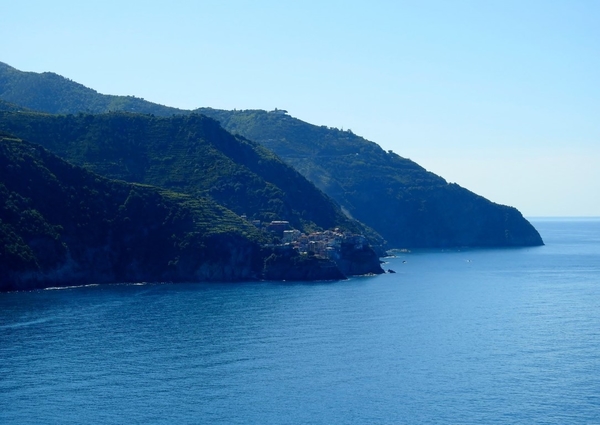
x=7, y=106
x=63, y=225
x=190, y=154
x=408, y=205
x=50, y=92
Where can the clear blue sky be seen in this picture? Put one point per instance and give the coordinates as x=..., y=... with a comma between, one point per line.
x=502, y=97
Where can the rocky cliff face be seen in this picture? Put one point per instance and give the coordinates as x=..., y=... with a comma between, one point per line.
x=284, y=263
x=358, y=260
x=99, y=269
x=451, y=216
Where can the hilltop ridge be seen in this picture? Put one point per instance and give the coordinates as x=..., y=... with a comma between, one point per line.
x=408, y=205
x=55, y=94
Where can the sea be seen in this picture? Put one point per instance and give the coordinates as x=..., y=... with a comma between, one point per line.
x=470, y=336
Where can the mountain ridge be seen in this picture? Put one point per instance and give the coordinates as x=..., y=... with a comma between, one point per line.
x=409, y=206
x=415, y=208
x=53, y=93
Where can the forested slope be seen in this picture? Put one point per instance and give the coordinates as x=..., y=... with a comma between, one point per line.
x=191, y=154
x=62, y=225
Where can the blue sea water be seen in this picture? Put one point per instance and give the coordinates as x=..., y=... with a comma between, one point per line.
x=504, y=336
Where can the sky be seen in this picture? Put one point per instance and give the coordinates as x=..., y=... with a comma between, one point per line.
x=501, y=97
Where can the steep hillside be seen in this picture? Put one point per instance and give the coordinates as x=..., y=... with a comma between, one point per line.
x=63, y=225
x=408, y=205
x=190, y=154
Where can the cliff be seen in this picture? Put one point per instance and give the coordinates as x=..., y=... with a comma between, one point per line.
x=285, y=263
x=358, y=260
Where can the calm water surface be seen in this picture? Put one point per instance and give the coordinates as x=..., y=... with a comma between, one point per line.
x=455, y=337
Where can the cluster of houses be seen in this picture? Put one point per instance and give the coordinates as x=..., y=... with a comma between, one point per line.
x=326, y=244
